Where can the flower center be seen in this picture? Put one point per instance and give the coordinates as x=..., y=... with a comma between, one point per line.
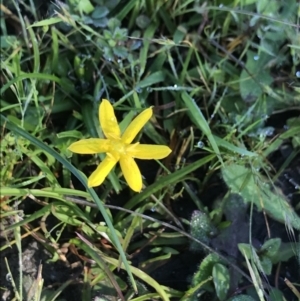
x=117, y=148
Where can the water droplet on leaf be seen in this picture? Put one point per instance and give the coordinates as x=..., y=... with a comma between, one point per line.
x=200, y=144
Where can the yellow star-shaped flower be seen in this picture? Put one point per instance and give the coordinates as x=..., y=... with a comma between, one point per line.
x=119, y=148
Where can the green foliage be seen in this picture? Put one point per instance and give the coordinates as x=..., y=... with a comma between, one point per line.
x=112, y=39
x=251, y=88
x=221, y=280
x=255, y=189
x=271, y=252
x=212, y=275
x=215, y=72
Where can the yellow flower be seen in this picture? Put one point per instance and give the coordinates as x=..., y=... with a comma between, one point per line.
x=119, y=148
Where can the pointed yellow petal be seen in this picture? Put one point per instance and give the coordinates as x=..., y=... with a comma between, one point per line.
x=148, y=151
x=98, y=176
x=131, y=173
x=108, y=121
x=90, y=146
x=136, y=125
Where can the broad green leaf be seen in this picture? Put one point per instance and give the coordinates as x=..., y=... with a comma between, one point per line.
x=246, y=249
x=254, y=189
x=85, y=6
x=221, y=280
x=100, y=12
x=266, y=264
x=250, y=84
x=271, y=247
x=266, y=7
x=205, y=270
x=8, y=41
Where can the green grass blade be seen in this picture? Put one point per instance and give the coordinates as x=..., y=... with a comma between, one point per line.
x=152, y=79
x=201, y=122
x=46, y=22
x=148, y=35
x=239, y=150
x=140, y=274
x=27, y=76
x=36, y=51
x=125, y=10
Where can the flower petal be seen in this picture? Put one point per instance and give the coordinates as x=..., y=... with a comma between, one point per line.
x=108, y=121
x=148, y=151
x=131, y=173
x=98, y=176
x=90, y=146
x=136, y=125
